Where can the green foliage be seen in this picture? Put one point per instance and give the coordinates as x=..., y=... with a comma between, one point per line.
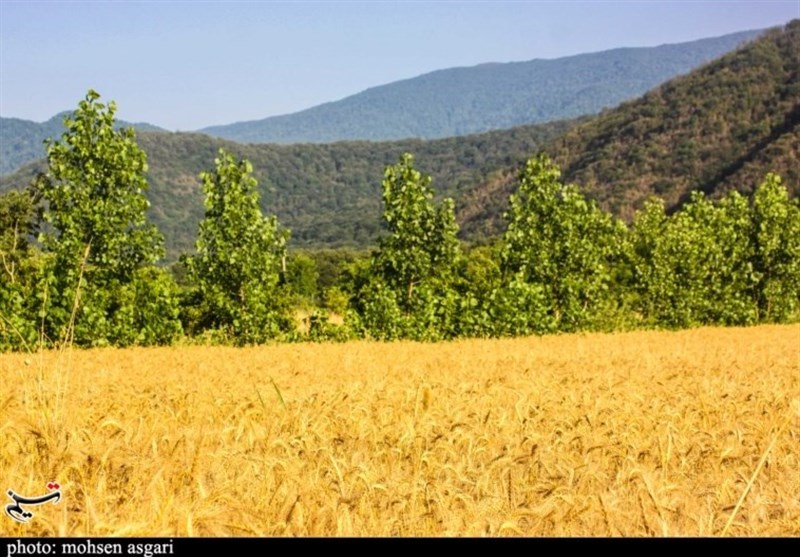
x=331, y=264
x=479, y=277
x=409, y=290
x=326, y=194
x=519, y=308
x=320, y=329
x=776, y=257
x=98, y=234
x=95, y=190
x=377, y=313
x=421, y=245
x=156, y=313
x=302, y=278
x=730, y=263
x=336, y=300
x=652, y=264
x=564, y=246
x=18, y=225
x=19, y=269
x=693, y=268
x=239, y=256
x=717, y=129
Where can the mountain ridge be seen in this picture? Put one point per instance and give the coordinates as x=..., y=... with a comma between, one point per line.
x=495, y=95
x=392, y=117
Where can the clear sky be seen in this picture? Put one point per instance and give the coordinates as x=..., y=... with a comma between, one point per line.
x=183, y=65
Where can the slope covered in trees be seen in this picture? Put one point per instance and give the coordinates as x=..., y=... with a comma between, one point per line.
x=461, y=101
x=718, y=129
x=328, y=195
x=22, y=141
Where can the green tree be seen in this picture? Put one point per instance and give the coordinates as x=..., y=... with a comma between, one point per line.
x=409, y=291
x=17, y=227
x=693, y=268
x=479, y=278
x=302, y=277
x=19, y=269
x=491, y=306
x=776, y=246
x=559, y=249
x=98, y=233
x=725, y=263
x=239, y=259
x=653, y=280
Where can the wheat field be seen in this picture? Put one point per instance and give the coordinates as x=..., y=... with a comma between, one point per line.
x=692, y=433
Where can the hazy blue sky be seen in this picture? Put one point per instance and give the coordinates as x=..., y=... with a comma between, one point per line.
x=186, y=65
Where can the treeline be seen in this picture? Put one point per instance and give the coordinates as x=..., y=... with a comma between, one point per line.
x=561, y=265
x=21, y=140
x=564, y=265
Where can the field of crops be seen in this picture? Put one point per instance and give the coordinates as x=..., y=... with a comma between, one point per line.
x=636, y=434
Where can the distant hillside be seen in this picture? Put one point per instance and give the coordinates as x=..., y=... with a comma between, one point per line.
x=21, y=141
x=720, y=128
x=328, y=195
x=460, y=101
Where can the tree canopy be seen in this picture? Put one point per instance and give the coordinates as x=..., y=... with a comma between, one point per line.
x=240, y=253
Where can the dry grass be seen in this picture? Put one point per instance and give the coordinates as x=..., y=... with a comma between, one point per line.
x=636, y=434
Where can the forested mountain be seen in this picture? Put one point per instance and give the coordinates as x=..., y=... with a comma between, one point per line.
x=717, y=129
x=21, y=141
x=461, y=101
x=329, y=194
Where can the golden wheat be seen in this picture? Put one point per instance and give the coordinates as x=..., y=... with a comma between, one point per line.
x=690, y=433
